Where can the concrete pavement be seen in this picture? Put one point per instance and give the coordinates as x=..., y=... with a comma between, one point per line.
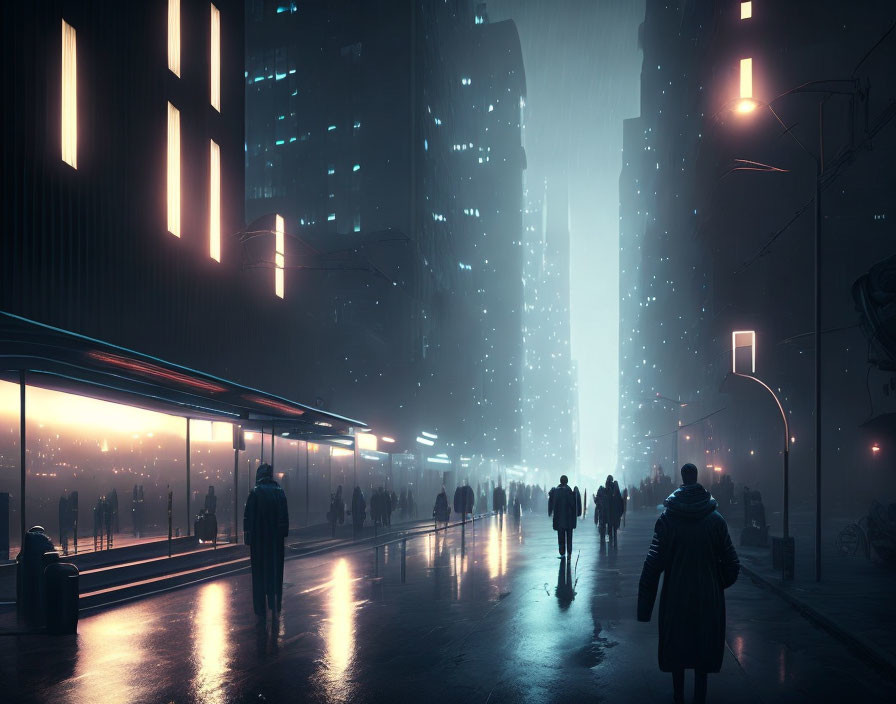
x=487, y=617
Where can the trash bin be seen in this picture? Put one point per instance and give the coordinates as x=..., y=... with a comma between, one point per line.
x=61, y=597
x=29, y=575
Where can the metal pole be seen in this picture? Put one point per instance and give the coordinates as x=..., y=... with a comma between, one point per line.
x=236, y=485
x=22, y=458
x=272, y=447
x=188, y=478
x=786, y=490
x=818, y=369
x=262, y=444
x=307, y=485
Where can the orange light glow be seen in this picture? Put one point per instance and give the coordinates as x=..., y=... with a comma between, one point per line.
x=215, y=60
x=279, y=256
x=340, y=452
x=746, y=78
x=366, y=441
x=69, y=95
x=275, y=405
x=875, y=448
x=152, y=370
x=746, y=10
x=745, y=106
x=173, y=170
x=214, y=201
x=717, y=468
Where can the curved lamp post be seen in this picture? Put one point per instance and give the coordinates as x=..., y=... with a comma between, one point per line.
x=787, y=573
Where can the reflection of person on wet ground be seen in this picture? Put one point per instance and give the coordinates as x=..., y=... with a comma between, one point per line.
x=565, y=591
x=265, y=525
x=692, y=548
x=565, y=506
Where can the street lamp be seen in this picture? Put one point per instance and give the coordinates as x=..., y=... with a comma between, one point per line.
x=750, y=335
x=747, y=104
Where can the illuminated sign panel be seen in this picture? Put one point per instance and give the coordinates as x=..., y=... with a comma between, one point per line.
x=69, y=95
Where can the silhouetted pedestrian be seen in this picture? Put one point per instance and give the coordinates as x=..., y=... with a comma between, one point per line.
x=265, y=525
x=565, y=506
x=692, y=548
x=359, y=510
x=441, y=512
x=336, y=514
x=211, y=501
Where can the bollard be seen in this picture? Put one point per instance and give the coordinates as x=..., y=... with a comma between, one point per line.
x=404, y=549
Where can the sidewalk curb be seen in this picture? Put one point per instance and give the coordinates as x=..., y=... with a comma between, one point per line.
x=860, y=646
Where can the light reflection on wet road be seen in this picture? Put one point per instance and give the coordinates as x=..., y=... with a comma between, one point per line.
x=492, y=616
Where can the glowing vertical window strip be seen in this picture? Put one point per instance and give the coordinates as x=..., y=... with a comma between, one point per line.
x=69, y=111
x=173, y=170
x=174, y=37
x=746, y=78
x=214, y=202
x=279, y=256
x=746, y=10
x=215, y=63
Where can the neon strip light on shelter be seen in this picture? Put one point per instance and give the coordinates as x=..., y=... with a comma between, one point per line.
x=215, y=60
x=173, y=170
x=152, y=370
x=214, y=201
x=69, y=112
x=275, y=405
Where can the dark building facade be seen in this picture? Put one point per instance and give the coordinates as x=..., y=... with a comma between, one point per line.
x=716, y=236
x=388, y=137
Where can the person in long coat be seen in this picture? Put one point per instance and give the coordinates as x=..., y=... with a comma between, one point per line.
x=691, y=546
x=441, y=512
x=265, y=525
x=359, y=510
x=600, y=511
x=565, y=505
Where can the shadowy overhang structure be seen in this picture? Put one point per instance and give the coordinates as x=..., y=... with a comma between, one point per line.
x=52, y=358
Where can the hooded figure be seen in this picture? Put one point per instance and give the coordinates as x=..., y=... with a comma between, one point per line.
x=565, y=505
x=441, y=512
x=265, y=525
x=692, y=547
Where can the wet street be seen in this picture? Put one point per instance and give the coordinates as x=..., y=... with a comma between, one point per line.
x=488, y=616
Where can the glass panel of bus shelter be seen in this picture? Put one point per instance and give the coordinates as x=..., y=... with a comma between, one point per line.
x=98, y=470
x=320, y=484
x=286, y=474
x=249, y=461
x=211, y=474
x=9, y=468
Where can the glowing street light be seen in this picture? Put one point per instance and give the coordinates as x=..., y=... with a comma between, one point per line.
x=741, y=339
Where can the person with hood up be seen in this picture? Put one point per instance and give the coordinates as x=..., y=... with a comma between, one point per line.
x=265, y=525
x=692, y=547
x=565, y=505
x=441, y=512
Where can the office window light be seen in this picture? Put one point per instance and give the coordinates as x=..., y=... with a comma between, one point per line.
x=214, y=201
x=746, y=10
x=279, y=255
x=69, y=112
x=215, y=64
x=174, y=37
x=173, y=170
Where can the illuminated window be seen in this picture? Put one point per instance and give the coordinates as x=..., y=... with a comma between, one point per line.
x=746, y=10
x=174, y=37
x=173, y=170
x=746, y=78
x=214, y=202
x=215, y=65
x=279, y=256
x=69, y=112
